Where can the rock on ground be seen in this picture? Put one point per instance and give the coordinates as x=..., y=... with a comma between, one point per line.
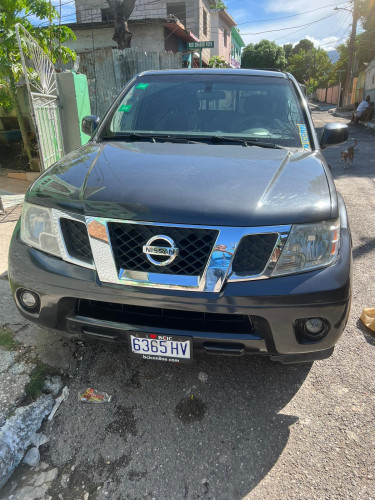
x=15, y=434
x=13, y=379
x=37, y=487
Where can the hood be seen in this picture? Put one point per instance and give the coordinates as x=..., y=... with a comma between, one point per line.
x=202, y=184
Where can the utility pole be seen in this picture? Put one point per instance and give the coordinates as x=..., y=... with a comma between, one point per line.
x=348, y=80
x=339, y=71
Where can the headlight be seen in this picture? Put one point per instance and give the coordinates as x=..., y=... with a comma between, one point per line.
x=308, y=247
x=38, y=229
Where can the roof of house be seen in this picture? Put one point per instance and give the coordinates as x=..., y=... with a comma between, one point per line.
x=237, y=37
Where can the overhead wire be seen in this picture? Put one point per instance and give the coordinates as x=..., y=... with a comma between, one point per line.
x=289, y=34
x=193, y=10
x=290, y=27
x=292, y=15
x=149, y=21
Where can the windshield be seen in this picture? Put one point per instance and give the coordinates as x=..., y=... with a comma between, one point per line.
x=199, y=105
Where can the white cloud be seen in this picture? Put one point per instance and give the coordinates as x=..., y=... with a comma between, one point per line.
x=328, y=43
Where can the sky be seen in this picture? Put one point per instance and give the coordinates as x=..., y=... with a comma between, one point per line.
x=283, y=21
x=325, y=27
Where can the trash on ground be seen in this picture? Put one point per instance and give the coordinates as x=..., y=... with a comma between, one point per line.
x=92, y=396
x=203, y=377
x=58, y=401
x=368, y=317
x=32, y=457
x=78, y=342
x=38, y=439
x=53, y=385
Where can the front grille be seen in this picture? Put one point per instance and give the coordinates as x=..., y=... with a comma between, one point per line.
x=76, y=239
x=165, y=318
x=195, y=246
x=253, y=253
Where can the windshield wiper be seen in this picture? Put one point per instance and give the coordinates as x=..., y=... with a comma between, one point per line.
x=217, y=139
x=148, y=137
x=134, y=137
x=196, y=139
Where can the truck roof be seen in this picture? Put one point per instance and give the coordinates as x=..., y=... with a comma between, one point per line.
x=219, y=71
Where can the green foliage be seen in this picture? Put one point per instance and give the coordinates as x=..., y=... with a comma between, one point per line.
x=265, y=54
x=364, y=48
x=219, y=5
x=6, y=340
x=17, y=11
x=303, y=45
x=217, y=62
x=288, y=50
x=37, y=379
x=50, y=39
x=6, y=100
x=308, y=65
x=311, y=67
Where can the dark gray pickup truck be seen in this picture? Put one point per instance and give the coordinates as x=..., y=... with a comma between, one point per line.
x=201, y=215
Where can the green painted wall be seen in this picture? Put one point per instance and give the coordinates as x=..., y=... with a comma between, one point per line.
x=82, y=101
x=75, y=104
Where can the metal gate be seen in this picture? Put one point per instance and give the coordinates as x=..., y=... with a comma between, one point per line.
x=40, y=77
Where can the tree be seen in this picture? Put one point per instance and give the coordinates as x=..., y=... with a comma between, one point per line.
x=50, y=39
x=121, y=10
x=364, y=44
x=303, y=45
x=309, y=65
x=288, y=50
x=265, y=54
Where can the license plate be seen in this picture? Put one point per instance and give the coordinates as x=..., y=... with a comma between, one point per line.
x=162, y=348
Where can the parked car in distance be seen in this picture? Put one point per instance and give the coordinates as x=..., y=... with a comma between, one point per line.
x=201, y=215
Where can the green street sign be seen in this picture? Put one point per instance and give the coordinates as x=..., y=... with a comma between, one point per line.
x=200, y=45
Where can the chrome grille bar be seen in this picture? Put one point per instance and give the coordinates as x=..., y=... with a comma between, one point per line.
x=228, y=237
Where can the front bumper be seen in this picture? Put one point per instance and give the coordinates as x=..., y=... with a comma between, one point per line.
x=274, y=305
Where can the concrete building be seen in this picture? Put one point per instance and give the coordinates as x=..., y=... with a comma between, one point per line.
x=221, y=27
x=236, y=48
x=159, y=25
x=370, y=81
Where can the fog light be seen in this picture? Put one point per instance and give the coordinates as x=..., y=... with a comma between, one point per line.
x=29, y=300
x=311, y=330
x=314, y=326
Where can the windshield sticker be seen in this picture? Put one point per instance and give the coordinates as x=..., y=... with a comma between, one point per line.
x=142, y=86
x=126, y=108
x=304, y=136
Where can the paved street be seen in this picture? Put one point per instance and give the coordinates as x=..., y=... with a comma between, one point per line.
x=222, y=428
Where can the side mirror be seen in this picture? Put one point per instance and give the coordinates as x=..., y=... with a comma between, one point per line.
x=90, y=124
x=334, y=133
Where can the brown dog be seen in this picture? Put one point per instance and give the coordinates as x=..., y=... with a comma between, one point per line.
x=348, y=154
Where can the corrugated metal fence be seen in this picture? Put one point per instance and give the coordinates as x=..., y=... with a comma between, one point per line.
x=108, y=70
x=329, y=95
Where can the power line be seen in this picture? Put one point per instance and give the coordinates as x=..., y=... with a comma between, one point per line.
x=293, y=15
x=291, y=27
